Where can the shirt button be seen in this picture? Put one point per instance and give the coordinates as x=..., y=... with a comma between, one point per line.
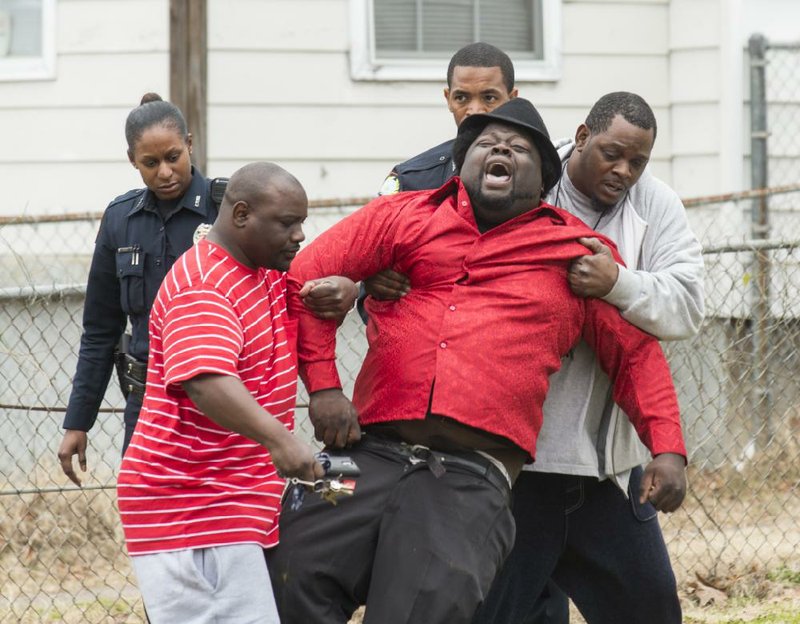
x=443, y=344
x=158, y=262
x=463, y=203
x=452, y=308
x=161, y=229
x=442, y=157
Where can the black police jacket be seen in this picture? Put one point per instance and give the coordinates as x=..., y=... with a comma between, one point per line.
x=135, y=248
x=428, y=170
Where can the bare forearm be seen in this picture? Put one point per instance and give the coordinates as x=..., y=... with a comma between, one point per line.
x=226, y=401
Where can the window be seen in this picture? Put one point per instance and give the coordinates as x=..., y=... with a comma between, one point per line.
x=414, y=39
x=27, y=39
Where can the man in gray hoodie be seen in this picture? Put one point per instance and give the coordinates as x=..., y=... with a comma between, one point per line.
x=577, y=509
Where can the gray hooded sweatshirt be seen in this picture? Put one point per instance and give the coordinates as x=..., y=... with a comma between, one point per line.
x=660, y=290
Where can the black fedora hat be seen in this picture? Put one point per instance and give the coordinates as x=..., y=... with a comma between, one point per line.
x=517, y=112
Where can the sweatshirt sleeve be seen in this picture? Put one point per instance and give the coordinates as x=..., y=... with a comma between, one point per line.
x=642, y=384
x=664, y=296
x=356, y=247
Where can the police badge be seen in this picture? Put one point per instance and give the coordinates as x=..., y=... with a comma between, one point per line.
x=391, y=185
x=201, y=232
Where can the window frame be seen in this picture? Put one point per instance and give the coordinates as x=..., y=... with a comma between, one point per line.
x=365, y=65
x=42, y=67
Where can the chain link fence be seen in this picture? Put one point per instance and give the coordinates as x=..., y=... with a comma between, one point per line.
x=61, y=549
x=782, y=95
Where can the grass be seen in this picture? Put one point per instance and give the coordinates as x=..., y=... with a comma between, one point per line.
x=779, y=616
x=785, y=575
x=101, y=610
x=62, y=559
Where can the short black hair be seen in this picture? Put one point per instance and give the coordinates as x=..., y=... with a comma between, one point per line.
x=153, y=111
x=481, y=54
x=632, y=107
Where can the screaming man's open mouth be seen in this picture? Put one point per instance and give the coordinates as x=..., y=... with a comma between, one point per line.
x=498, y=173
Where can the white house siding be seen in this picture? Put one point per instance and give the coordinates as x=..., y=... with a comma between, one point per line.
x=612, y=46
x=62, y=146
x=280, y=88
x=696, y=91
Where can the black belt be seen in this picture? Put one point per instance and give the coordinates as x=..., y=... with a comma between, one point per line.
x=438, y=461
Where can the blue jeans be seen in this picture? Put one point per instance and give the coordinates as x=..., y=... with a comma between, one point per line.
x=604, y=550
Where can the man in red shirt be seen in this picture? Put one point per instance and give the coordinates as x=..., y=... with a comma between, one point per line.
x=450, y=395
x=199, y=487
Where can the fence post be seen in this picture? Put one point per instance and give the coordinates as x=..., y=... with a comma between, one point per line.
x=759, y=226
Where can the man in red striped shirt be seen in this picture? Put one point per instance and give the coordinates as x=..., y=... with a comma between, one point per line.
x=450, y=394
x=200, y=484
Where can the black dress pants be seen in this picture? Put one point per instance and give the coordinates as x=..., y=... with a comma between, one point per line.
x=413, y=547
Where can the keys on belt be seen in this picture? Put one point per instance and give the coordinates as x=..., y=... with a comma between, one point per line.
x=330, y=490
x=338, y=482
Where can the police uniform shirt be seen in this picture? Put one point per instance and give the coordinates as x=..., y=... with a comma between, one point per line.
x=428, y=170
x=135, y=248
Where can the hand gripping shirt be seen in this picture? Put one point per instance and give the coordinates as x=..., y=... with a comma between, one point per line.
x=488, y=318
x=185, y=481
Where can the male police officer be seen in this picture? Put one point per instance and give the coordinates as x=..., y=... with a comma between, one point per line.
x=480, y=78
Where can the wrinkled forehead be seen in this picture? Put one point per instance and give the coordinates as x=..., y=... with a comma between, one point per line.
x=506, y=130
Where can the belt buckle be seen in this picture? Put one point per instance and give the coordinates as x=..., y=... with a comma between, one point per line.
x=435, y=463
x=415, y=459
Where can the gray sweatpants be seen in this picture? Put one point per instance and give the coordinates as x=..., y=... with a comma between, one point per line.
x=207, y=586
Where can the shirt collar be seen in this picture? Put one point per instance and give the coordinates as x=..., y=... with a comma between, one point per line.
x=192, y=199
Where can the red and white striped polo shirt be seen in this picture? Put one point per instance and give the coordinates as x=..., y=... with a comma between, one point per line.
x=186, y=482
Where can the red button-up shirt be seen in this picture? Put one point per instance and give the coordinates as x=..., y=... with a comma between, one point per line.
x=488, y=319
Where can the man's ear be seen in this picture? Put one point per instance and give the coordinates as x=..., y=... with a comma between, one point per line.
x=513, y=93
x=447, y=98
x=582, y=135
x=132, y=161
x=240, y=212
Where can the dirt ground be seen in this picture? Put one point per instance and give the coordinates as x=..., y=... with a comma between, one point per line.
x=735, y=547
x=778, y=603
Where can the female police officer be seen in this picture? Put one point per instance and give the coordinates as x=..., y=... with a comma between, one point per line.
x=141, y=234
